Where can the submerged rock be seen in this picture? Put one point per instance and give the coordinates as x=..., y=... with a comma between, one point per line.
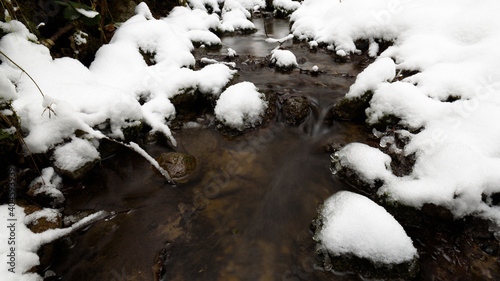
x=356, y=234
x=295, y=110
x=180, y=166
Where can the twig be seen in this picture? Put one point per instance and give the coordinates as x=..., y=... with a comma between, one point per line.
x=34, y=82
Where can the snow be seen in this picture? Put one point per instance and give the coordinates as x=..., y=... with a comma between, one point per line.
x=27, y=243
x=281, y=40
x=240, y=106
x=80, y=37
x=49, y=183
x=286, y=5
x=355, y=225
x=110, y=89
x=283, y=58
x=231, y=53
x=380, y=71
x=75, y=154
x=87, y=13
x=452, y=48
x=449, y=46
x=370, y=163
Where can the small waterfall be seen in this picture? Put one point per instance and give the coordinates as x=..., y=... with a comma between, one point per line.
x=319, y=121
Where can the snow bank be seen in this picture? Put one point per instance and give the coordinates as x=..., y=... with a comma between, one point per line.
x=240, y=106
x=355, y=225
x=104, y=98
x=441, y=78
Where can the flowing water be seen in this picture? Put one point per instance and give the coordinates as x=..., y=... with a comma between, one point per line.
x=245, y=215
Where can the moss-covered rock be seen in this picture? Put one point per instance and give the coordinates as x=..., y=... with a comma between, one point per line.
x=295, y=110
x=352, y=108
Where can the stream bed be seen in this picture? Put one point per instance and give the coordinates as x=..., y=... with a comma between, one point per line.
x=246, y=212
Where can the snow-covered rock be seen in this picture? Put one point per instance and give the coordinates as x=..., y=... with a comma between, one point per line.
x=283, y=59
x=241, y=106
x=353, y=225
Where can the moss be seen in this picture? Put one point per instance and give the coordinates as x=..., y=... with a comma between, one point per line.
x=352, y=108
x=132, y=133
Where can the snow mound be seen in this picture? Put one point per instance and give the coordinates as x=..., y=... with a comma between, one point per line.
x=236, y=15
x=240, y=106
x=283, y=59
x=369, y=163
x=73, y=155
x=355, y=225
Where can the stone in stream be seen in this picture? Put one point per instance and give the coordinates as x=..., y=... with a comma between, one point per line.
x=295, y=110
x=356, y=234
x=180, y=166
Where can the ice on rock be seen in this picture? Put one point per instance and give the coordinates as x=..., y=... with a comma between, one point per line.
x=240, y=106
x=352, y=224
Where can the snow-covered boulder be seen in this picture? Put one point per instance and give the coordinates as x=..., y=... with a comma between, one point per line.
x=75, y=158
x=354, y=233
x=284, y=60
x=241, y=106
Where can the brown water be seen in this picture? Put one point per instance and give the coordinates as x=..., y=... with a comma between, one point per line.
x=246, y=213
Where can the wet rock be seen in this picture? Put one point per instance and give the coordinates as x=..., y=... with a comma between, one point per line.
x=180, y=166
x=436, y=211
x=271, y=99
x=79, y=173
x=42, y=224
x=352, y=108
x=295, y=110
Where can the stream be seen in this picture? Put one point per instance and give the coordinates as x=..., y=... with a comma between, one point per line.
x=245, y=214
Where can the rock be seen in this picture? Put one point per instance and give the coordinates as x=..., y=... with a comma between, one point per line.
x=356, y=234
x=295, y=110
x=41, y=224
x=352, y=108
x=180, y=166
x=79, y=173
